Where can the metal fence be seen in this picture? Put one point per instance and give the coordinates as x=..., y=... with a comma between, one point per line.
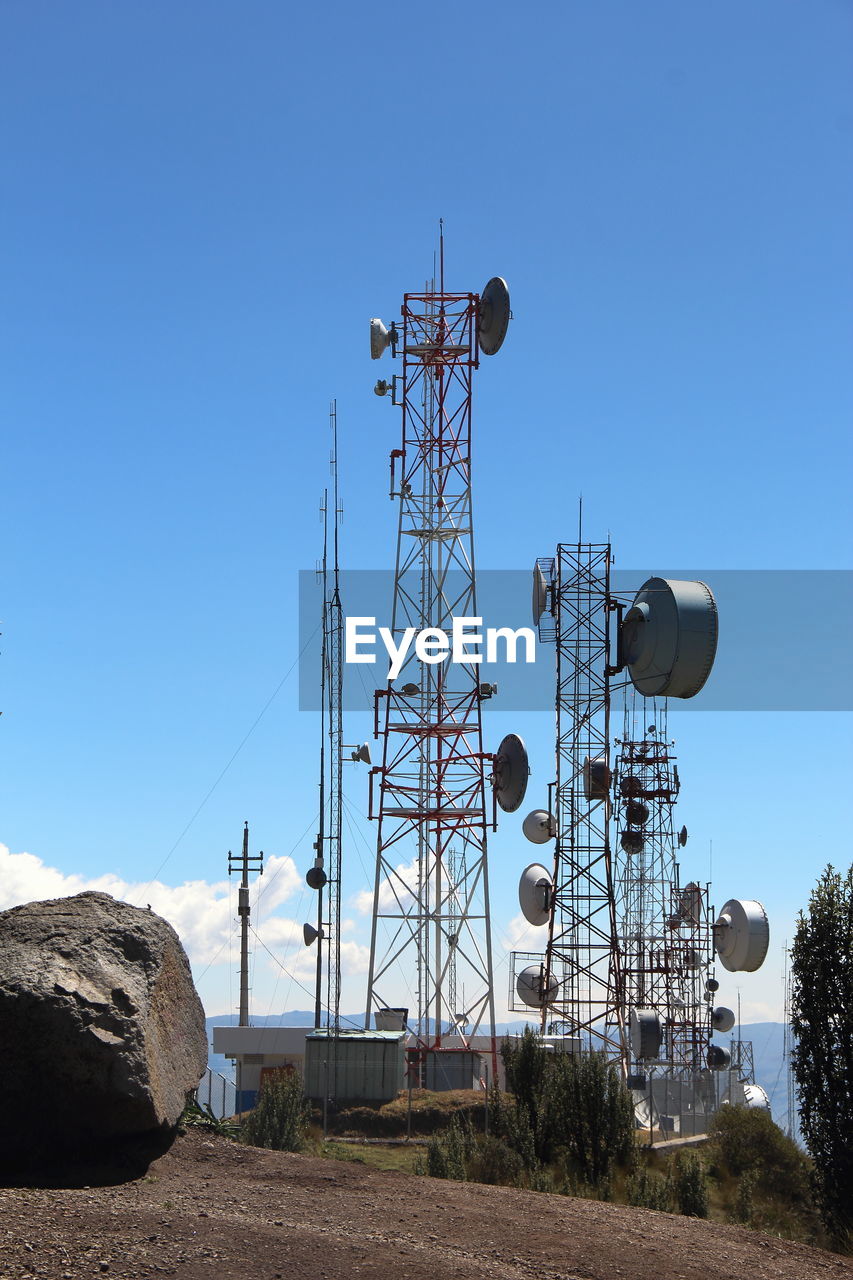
x=217, y=1092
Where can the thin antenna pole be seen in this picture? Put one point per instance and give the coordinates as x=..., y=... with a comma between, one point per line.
x=320, y=842
x=241, y=863
x=441, y=251
x=580, y=518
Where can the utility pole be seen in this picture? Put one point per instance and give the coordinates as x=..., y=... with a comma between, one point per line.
x=241, y=863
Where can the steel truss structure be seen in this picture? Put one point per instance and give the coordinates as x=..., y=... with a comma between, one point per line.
x=431, y=923
x=665, y=929
x=582, y=965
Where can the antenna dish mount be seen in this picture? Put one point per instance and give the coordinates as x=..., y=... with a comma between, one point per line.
x=535, y=889
x=669, y=637
x=511, y=773
x=494, y=316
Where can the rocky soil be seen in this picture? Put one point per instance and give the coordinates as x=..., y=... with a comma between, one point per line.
x=210, y=1208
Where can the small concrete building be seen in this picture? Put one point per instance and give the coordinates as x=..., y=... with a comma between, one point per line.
x=255, y=1049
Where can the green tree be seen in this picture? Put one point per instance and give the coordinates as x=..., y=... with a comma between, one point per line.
x=822, y=1022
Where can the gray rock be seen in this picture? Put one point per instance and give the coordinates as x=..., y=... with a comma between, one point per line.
x=101, y=1028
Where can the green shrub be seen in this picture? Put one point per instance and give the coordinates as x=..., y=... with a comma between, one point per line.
x=448, y=1152
x=495, y=1162
x=690, y=1186
x=648, y=1190
x=747, y=1140
x=280, y=1119
x=744, y=1203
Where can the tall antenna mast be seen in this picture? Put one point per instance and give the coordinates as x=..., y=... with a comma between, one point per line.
x=242, y=863
x=334, y=632
x=431, y=782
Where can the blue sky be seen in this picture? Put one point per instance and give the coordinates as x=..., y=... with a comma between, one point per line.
x=203, y=205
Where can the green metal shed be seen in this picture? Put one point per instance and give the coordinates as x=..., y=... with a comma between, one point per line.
x=368, y=1065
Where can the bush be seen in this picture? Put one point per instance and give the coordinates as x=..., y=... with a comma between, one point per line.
x=748, y=1141
x=495, y=1162
x=648, y=1190
x=280, y=1119
x=448, y=1152
x=774, y=1187
x=690, y=1186
x=744, y=1203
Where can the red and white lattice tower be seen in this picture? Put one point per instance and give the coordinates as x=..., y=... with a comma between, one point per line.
x=431, y=930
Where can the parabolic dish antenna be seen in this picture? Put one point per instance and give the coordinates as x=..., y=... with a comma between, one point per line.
x=645, y=1032
x=511, y=773
x=540, y=594
x=690, y=902
x=682, y=837
x=742, y=935
x=315, y=877
x=669, y=637
x=538, y=826
x=718, y=1059
x=380, y=338
x=631, y=841
x=636, y=813
x=596, y=778
x=534, y=894
x=531, y=987
x=494, y=316
x=754, y=1096
x=722, y=1019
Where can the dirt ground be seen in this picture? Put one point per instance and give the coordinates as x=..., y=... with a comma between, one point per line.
x=210, y=1208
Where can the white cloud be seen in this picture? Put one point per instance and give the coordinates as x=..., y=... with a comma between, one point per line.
x=201, y=912
x=400, y=890
x=520, y=935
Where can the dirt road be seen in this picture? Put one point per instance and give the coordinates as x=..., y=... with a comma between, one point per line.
x=212, y=1209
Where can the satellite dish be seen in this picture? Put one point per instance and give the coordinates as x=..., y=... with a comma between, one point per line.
x=538, y=826
x=690, y=902
x=494, y=316
x=534, y=894
x=636, y=813
x=754, y=1096
x=632, y=841
x=315, y=877
x=596, y=778
x=712, y=985
x=630, y=786
x=310, y=934
x=511, y=773
x=722, y=1019
x=361, y=755
x=682, y=837
x=718, y=1059
x=380, y=338
x=531, y=988
x=645, y=1033
x=540, y=594
x=669, y=637
x=742, y=935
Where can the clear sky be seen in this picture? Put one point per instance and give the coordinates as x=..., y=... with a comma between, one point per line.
x=202, y=206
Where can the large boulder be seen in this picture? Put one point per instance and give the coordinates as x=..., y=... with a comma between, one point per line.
x=101, y=1028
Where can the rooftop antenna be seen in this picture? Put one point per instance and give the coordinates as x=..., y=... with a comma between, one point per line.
x=242, y=863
